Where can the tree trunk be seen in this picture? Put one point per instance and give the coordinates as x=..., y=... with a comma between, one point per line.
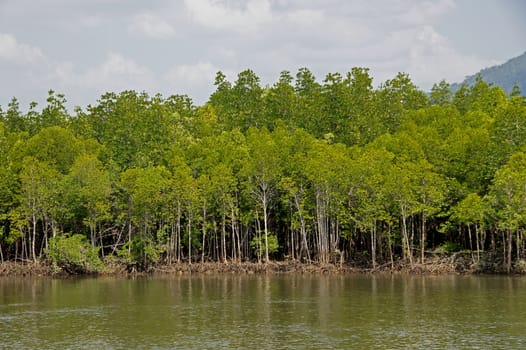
x=189, y=230
x=423, y=238
x=304, y=248
x=390, y=243
x=204, y=235
x=292, y=249
x=323, y=227
x=264, y=187
x=258, y=233
x=223, y=237
x=477, y=242
x=405, y=234
x=470, y=242
x=33, y=239
x=236, y=249
x=518, y=242
x=265, y=229
x=373, y=245
x=178, y=234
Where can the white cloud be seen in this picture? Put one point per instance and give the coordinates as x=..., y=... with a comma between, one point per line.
x=419, y=12
x=387, y=37
x=267, y=36
x=65, y=73
x=151, y=25
x=306, y=17
x=195, y=74
x=115, y=74
x=19, y=53
x=119, y=72
x=92, y=22
x=223, y=15
x=432, y=58
x=195, y=80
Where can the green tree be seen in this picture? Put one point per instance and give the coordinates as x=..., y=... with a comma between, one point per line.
x=295, y=151
x=147, y=192
x=261, y=172
x=309, y=109
x=326, y=168
x=54, y=113
x=441, y=94
x=224, y=187
x=93, y=186
x=40, y=200
x=55, y=146
x=14, y=119
x=369, y=194
x=137, y=130
x=364, y=122
x=479, y=97
x=397, y=95
x=509, y=128
x=471, y=212
x=280, y=102
x=239, y=105
x=183, y=200
x=431, y=192
x=508, y=197
x=74, y=254
x=8, y=189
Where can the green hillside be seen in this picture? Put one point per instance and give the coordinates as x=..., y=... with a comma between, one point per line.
x=505, y=75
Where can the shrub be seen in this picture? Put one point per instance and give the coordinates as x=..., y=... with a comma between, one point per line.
x=140, y=253
x=258, y=244
x=448, y=248
x=520, y=266
x=74, y=254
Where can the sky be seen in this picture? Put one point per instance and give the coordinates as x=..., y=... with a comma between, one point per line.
x=84, y=48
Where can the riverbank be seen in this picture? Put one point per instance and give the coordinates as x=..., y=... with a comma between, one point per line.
x=456, y=263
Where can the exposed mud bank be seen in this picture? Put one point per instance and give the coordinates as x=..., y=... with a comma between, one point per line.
x=10, y=268
x=457, y=263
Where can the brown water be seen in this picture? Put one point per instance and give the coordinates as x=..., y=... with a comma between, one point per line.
x=264, y=312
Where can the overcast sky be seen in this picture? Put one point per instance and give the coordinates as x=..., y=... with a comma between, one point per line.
x=83, y=48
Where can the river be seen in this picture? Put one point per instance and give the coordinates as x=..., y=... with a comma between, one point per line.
x=264, y=312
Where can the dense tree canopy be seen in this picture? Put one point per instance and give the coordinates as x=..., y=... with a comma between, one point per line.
x=302, y=169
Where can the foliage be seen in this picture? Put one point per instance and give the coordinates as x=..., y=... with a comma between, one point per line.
x=301, y=168
x=448, y=248
x=74, y=254
x=508, y=75
x=140, y=253
x=258, y=244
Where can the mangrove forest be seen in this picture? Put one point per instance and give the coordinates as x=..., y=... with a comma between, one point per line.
x=337, y=171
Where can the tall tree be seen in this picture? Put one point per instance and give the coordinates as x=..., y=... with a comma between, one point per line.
x=508, y=197
x=395, y=96
x=261, y=172
x=369, y=194
x=470, y=212
x=147, y=195
x=310, y=112
x=280, y=102
x=93, y=186
x=137, y=130
x=441, y=94
x=40, y=200
x=54, y=113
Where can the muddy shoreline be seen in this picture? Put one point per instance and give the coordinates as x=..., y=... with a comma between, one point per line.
x=437, y=265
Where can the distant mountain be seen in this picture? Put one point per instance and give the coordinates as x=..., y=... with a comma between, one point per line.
x=505, y=75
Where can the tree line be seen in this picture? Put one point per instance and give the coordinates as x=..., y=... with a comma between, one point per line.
x=329, y=171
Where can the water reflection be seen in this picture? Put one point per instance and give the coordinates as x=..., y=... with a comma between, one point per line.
x=266, y=312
